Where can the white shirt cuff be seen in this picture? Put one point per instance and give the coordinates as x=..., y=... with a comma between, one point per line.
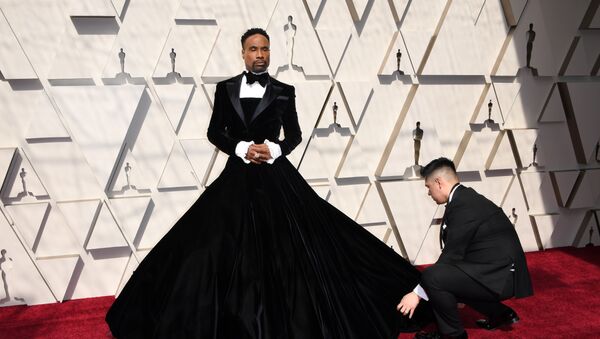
x=274, y=149
x=421, y=292
x=242, y=148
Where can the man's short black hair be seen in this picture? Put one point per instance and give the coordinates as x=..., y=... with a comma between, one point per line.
x=437, y=164
x=253, y=31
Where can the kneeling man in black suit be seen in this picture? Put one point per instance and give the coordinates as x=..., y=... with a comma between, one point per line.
x=482, y=261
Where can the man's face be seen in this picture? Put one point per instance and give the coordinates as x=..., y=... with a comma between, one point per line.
x=434, y=190
x=256, y=53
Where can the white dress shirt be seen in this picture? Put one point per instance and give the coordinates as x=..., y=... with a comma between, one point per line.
x=254, y=90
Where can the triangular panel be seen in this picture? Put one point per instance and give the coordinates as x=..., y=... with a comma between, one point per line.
x=196, y=120
x=502, y=156
x=516, y=210
x=334, y=42
x=591, y=232
x=13, y=61
x=6, y=158
x=168, y=208
x=106, y=233
x=200, y=153
x=174, y=99
x=389, y=65
x=58, y=272
x=129, y=178
x=336, y=112
x=313, y=164
x=525, y=140
x=100, y=116
x=22, y=183
x=55, y=237
x=132, y=214
x=565, y=181
x=375, y=130
x=357, y=95
x=539, y=193
x=478, y=150
x=217, y=167
x=294, y=41
x=585, y=101
x=588, y=194
x=413, y=213
x=90, y=283
x=492, y=186
x=177, y=172
x=409, y=149
x=184, y=40
x=310, y=98
x=80, y=215
x=553, y=111
x=348, y=198
x=46, y=123
x=28, y=221
x=22, y=282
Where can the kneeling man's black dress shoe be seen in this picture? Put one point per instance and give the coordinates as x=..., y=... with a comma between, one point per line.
x=506, y=318
x=438, y=335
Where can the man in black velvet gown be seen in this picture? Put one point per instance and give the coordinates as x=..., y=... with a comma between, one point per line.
x=260, y=255
x=482, y=261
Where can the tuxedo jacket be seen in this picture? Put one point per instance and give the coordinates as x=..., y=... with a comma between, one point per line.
x=276, y=109
x=482, y=242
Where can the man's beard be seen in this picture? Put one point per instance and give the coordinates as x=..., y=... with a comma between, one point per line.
x=260, y=68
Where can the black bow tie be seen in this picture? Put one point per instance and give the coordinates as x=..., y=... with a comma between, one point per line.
x=262, y=78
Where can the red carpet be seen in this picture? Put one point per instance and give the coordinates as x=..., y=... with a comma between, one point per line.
x=566, y=304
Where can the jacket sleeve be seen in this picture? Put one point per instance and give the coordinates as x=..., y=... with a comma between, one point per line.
x=217, y=129
x=291, y=128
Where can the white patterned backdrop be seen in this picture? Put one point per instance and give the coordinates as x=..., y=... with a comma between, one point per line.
x=101, y=152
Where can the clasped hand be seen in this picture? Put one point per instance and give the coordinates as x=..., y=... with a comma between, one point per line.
x=258, y=153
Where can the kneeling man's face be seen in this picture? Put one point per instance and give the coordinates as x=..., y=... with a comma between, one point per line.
x=434, y=190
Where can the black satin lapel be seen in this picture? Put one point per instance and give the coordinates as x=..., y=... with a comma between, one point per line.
x=271, y=92
x=233, y=88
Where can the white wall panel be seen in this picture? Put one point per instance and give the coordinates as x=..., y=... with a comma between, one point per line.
x=13, y=62
x=472, y=30
x=39, y=26
x=368, y=44
x=586, y=101
x=413, y=213
x=142, y=37
x=555, y=23
x=192, y=44
x=422, y=20
x=23, y=283
x=99, y=120
x=516, y=210
x=64, y=171
x=375, y=129
x=586, y=54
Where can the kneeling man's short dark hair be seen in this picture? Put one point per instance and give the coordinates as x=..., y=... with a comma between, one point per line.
x=437, y=164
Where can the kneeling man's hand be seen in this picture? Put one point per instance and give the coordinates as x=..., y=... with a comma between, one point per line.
x=408, y=304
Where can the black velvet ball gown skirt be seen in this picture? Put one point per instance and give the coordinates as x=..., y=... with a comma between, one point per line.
x=261, y=255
